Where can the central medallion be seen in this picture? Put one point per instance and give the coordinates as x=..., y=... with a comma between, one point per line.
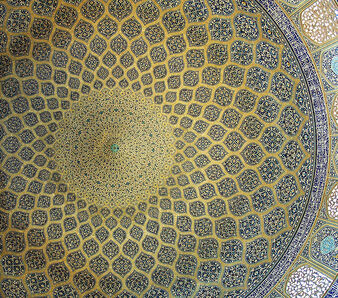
x=114, y=147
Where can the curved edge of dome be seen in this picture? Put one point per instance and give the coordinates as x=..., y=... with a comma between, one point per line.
x=322, y=140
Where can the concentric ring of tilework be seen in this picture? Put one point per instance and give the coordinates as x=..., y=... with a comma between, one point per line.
x=321, y=141
x=106, y=119
x=250, y=136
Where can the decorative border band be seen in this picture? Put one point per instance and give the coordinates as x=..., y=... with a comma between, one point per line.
x=322, y=139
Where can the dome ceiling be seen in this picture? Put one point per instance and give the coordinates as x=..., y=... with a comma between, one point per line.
x=167, y=148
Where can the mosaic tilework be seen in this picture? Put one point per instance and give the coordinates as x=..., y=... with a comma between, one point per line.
x=316, y=251
x=125, y=136
x=315, y=282
x=228, y=83
x=319, y=21
x=332, y=203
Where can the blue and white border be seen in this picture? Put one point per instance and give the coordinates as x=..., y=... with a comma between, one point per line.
x=322, y=139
